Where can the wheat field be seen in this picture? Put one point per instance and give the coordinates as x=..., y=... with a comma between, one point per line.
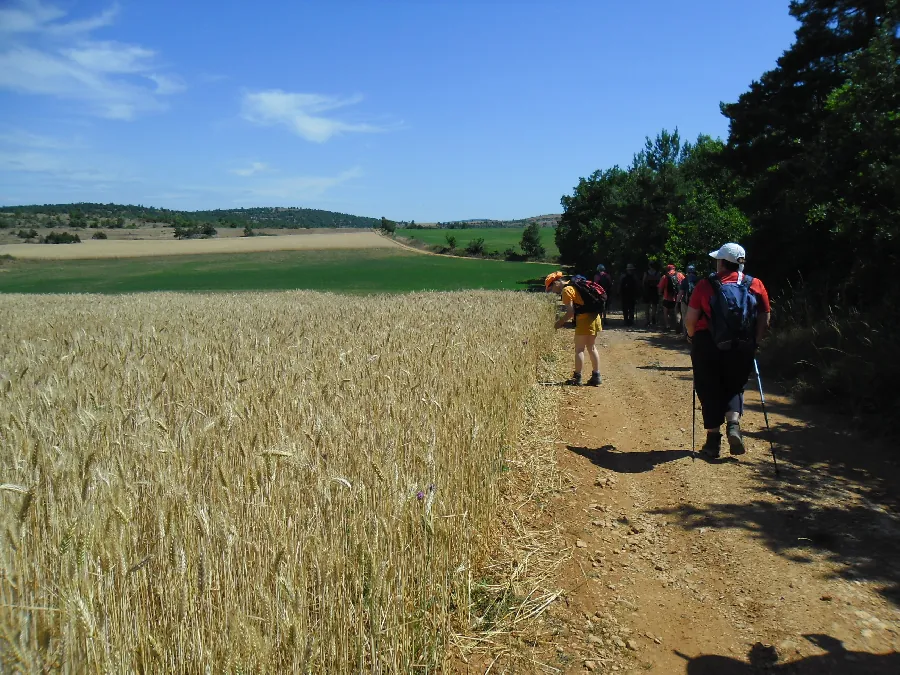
x=139, y=248
x=283, y=482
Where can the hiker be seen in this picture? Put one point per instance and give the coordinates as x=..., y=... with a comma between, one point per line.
x=728, y=315
x=649, y=283
x=686, y=290
x=669, y=287
x=582, y=299
x=603, y=279
x=628, y=292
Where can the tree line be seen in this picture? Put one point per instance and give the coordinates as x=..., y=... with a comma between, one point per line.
x=274, y=217
x=808, y=179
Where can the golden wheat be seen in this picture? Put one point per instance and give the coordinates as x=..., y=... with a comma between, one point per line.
x=290, y=482
x=115, y=247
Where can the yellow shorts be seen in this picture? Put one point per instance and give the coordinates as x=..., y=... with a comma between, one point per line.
x=587, y=324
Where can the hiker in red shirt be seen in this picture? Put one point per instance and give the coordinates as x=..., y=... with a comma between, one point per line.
x=727, y=317
x=669, y=287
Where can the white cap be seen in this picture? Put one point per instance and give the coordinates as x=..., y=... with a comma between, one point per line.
x=730, y=252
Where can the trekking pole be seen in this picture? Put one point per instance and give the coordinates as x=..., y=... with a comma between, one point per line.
x=694, y=426
x=762, y=397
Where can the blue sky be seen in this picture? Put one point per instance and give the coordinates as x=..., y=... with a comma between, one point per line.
x=408, y=109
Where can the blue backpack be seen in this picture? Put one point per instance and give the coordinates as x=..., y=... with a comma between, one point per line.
x=733, y=309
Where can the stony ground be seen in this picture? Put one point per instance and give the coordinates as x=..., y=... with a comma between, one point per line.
x=678, y=565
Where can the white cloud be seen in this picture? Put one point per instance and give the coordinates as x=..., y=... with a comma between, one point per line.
x=32, y=16
x=255, y=167
x=294, y=189
x=166, y=84
x=111, y=57
x=46, y=56
x=26, y=139
x=301, y=113
x=55, y=166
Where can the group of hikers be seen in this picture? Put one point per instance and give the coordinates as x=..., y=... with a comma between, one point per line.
x=671, y=289
x=723, y=316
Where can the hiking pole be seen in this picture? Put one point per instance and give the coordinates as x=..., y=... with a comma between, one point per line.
x=762, y=397
x=694, y=426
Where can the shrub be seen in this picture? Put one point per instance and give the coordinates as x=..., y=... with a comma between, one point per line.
x=99, y=235
x=27, y=234
x=61, y=238
x=475, y=247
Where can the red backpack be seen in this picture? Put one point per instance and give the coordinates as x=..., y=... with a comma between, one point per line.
x=592, y=294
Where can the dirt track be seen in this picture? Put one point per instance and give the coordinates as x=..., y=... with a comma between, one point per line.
x=684, y=566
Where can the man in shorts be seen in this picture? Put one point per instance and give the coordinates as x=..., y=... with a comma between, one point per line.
x=587, y=326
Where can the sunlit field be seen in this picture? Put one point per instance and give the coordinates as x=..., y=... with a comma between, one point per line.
x=135, y=248
x=281, y=482
x=495, y=238
x=353, y=271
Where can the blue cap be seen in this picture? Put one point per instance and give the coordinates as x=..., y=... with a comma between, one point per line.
x=691, y=268
x=601, y=268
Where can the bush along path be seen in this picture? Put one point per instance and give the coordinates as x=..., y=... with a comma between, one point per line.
x=683, y=566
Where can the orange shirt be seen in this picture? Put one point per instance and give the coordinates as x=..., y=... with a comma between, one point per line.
x=571, y=296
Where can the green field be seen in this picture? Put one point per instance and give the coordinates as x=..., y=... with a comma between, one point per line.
x=495, y=238
x=347, y=271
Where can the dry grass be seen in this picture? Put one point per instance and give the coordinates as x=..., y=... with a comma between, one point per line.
x=518, y=584
x=291, y=482
x=131, y=248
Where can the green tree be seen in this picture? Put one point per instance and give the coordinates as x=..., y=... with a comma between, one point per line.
x=388, y=226
x=475, y=247
x=77, y=218
x=813, y=139
x=451, y=241
x=531, y=242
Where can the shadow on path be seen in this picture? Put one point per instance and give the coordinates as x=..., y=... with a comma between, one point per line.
x=763, y=659
x=837, y=499
x=628, y=462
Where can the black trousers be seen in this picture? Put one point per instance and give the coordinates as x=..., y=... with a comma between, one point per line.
x=628, y=305
x=719, y=378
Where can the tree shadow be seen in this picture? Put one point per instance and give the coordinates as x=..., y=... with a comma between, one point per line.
x=628, y=462
x=837, y=499
x=763, y=658
x=668, y=368
x=669, y=341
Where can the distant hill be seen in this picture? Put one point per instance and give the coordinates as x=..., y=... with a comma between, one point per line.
x=548, y=220
x=58, y=214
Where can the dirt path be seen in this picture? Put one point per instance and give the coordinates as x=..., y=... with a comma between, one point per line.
x=684, y=566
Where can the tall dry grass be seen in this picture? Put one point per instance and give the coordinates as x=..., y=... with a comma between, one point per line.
x=255, y=482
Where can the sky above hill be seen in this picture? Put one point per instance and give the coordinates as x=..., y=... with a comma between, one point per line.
x=412, y=110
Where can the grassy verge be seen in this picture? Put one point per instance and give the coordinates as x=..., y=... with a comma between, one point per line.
x=846, y=361
x=353, y=271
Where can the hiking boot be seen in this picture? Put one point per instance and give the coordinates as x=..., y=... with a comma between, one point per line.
x=735, y=440
x=710, y=449
x=595, y=380
x=575, y=380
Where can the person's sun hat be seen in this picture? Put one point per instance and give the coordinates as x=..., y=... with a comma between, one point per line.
x=631, y=267
x=601, y=267
x=734, y=253
x=691, y=268
x=553, y=276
